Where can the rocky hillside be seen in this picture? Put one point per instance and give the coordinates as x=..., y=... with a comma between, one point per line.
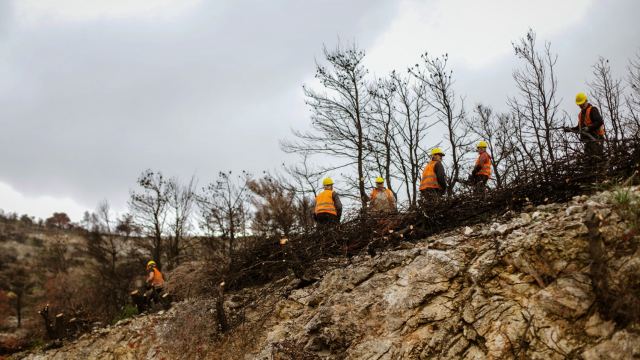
x=556, y=281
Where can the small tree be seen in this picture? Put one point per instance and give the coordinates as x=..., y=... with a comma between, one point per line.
x=17, y=281
x=223, y=207
x=58, y=220
x=302, y=181
x=276, y=207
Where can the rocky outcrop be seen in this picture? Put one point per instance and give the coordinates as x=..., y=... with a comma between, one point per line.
x=519, y=287
x=516, y=288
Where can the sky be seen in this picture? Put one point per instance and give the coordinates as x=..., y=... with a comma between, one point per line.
x=94, y=92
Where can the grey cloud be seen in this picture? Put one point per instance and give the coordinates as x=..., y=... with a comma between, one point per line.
x=87, y=106
x=609, y=30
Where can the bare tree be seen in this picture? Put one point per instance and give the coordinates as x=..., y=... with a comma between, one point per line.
x=108, y=242
x=449, y=109
x=606, y=93
x=632, y=99
x=338, y=113
x=181, y=199
x=382, y=122
x=535, y=111
x=149, y=208
x=223, y=207
x=410, y=128
x=126, y=226
x=302, y=181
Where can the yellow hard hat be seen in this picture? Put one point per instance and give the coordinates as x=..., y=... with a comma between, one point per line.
x=437, y=151
x=151, y=262
x=482, y=144
x=379, y=180
x=581, y=98
x=327, y=181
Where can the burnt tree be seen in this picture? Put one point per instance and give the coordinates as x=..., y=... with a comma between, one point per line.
x=338, y=113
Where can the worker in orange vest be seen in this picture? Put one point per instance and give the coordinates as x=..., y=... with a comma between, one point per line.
x=482, y=170
x=154, y=277
x=590, y=127
x=434, y=180
x=327, y=208
x=382, y=200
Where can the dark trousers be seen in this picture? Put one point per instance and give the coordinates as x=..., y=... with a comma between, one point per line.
x=327, y=224
x=478, y=183
x=594, y=155
x=326, y=219
x=430, y=196
x=594, y=150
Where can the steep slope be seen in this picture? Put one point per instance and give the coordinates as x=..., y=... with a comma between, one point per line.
x=521, y=287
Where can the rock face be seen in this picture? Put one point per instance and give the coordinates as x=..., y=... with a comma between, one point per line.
x=517, y=289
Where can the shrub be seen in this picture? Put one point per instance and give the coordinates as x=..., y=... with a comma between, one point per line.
x=193, y=331
x=129, y=310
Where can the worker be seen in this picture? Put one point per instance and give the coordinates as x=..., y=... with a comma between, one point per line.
x=434, y=180
x=155, y=282
x=482, y=170
x=327, y=208
x=590, y=128
x=382, y=200
x=154, y=277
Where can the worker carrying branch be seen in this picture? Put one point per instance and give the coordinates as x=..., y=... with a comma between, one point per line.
x=590, y=128
x=482, y=169
x=382, y=200
x=327, y=208
x=434, y=180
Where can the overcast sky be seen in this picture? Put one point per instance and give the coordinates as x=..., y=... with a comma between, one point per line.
x=94, y=92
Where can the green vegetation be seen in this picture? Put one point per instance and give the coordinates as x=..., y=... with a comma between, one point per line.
x=627, y=203
x=129, y=310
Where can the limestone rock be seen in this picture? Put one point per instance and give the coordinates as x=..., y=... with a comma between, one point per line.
x=597, y=327
x=468, y=231
x=568, y=297
x=623, y=345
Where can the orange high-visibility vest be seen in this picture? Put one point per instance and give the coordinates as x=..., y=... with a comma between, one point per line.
x=429, y=178
x=158, y=279
x=586, y=121
x=484, y=160
x=325, y=204
x=375, y=192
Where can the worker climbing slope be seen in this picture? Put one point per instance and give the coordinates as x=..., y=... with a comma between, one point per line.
x=382, y=200
x=482, y=169
x=155, y=280
x=434, y=180
x=327, y=208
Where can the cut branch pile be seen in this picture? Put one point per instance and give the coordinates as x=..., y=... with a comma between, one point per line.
x=271, y=259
